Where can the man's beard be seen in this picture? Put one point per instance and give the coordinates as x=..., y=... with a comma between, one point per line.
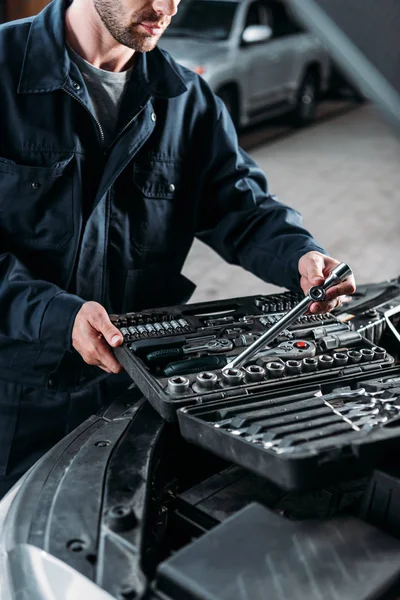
x=128, y=35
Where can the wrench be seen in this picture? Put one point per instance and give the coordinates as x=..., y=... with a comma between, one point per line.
x=316, y=294
x=212, y=347
x=290, y=350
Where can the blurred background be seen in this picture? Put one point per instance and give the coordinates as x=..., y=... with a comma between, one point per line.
x=325, y=150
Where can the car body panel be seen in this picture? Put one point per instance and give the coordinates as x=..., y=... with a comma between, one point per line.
x=267, y=75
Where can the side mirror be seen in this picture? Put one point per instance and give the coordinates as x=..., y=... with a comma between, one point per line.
x=254, y=34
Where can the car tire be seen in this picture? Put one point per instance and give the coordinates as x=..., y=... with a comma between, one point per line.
x=356, y=94
x=230, y=98
x=305, y=110
x=341, y=88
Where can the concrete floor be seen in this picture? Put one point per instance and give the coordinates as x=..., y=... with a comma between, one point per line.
x=343, y=175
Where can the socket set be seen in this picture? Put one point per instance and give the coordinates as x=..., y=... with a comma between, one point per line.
x=284, y=394
x=277, y=303
x=139, y=326
x=190, y=363
x=374, y=311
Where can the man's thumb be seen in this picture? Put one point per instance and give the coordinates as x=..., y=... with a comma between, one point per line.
x=113, y=336
x=116, y=340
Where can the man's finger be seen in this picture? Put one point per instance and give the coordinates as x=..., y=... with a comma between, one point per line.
x=346, y=288
x=101, y=322
x=324, y=307
x=313, y=269
x=106, y=358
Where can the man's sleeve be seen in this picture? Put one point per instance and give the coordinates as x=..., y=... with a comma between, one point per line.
x=242, y=221
x=32, y=310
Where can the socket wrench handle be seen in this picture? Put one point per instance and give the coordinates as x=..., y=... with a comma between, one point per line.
x=339, y=274
x=316, y=294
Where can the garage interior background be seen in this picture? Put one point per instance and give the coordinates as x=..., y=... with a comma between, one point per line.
x=18, y=9
x=342, y=174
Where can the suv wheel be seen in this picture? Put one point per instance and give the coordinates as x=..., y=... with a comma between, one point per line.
x=229, y=97
x=307, y=99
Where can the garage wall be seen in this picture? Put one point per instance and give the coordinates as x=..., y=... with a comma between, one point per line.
x=17, y=9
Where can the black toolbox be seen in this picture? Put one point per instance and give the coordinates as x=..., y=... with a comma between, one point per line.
x=302, y=440
x=321, y=402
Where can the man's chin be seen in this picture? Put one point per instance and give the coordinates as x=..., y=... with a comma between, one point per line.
x=146, y=43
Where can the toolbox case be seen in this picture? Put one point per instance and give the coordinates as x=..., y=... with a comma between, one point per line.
x=281, y=428
x=334, y=451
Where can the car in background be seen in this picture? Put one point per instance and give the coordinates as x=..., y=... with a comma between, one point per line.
x=253, y=55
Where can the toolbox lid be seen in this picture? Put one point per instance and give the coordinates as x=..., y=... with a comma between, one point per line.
x=258, y=554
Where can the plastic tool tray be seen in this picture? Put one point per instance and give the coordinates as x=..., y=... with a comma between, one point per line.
x=272, y=415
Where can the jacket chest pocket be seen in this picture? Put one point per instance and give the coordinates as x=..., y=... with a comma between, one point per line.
x=36, y=203
x=157, y=215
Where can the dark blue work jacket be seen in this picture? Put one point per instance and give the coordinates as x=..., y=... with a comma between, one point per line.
x=80, y=221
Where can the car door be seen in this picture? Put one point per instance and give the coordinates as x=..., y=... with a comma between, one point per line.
x=285, y=45
x=254, y=62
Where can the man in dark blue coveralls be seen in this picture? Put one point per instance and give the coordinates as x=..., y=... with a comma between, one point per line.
x=113, y=158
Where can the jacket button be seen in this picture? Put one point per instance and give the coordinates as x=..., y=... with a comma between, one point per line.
x=76, y=85
x=153, y=117
x=35, y=185
x=51, y=383
x=171, y=187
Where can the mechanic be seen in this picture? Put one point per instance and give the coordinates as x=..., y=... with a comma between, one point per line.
x=113, y=158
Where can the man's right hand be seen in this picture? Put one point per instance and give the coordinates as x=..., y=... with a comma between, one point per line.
x=93, y=334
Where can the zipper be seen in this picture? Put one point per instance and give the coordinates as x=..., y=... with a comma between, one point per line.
x=102, y=142
x=100, y=129
x=137, y=115
x=104, y=283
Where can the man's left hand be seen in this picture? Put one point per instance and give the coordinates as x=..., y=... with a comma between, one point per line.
x=314, y=268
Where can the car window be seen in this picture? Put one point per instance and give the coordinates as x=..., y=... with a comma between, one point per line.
x=283, y=23
x=258, y=14
x=210, y=19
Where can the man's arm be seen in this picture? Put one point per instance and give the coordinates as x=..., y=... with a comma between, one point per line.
x=249, y=227
x=40, y=312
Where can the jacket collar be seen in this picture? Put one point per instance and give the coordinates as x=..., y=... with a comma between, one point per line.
x=46, y=63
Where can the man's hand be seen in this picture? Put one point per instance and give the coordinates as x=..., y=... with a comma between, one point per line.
x=314, y=268
x=93, y=334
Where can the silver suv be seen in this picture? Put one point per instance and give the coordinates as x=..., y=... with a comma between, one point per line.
x=253, y=55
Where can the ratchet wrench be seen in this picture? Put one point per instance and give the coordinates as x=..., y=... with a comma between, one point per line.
x=213, y=347
x=315, y=294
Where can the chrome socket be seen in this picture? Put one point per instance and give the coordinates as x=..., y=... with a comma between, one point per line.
x=206, y=380
x=231, y=377
x=379, y=353
x=367, y=354
x=325, y=361
x=309, y=365
x=355, y=357
x=293, y=367
x=275, y=370
x=254, y=373
x=340, y=359
x=178, y=385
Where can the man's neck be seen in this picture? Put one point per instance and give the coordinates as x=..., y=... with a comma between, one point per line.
x=86, y=34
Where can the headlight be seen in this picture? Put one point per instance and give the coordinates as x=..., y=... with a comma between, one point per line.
x=5, y=505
